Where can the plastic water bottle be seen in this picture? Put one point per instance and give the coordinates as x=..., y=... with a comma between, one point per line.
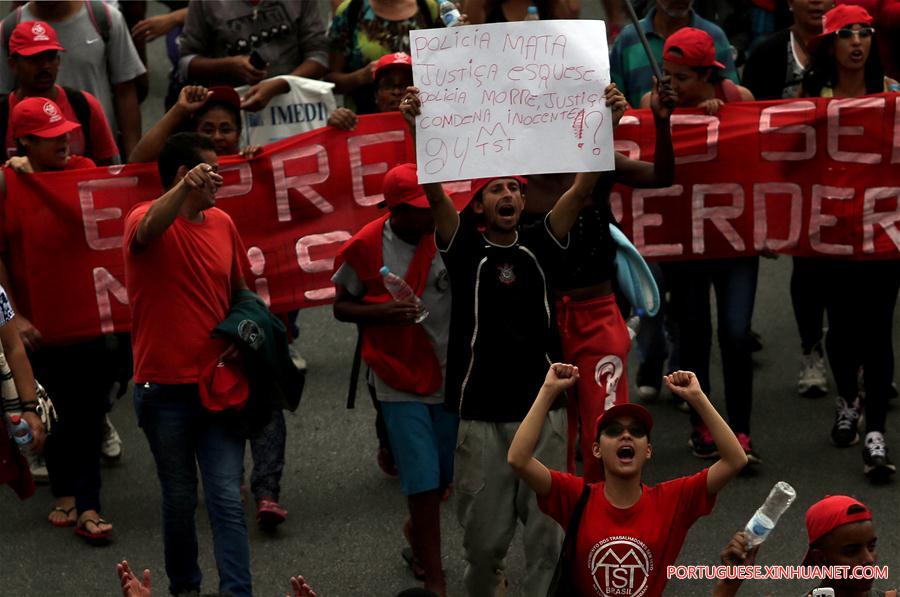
x=19, y=430
x=401, y=291
x=532, y=14
x=449, y=14
x=765, y=519
x=634, y=323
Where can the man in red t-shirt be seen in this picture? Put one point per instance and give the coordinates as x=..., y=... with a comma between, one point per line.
x=184, y=261
x=629, y=532
x=34, y=58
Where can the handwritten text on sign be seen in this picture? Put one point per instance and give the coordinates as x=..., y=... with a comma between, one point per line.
x=512, y=98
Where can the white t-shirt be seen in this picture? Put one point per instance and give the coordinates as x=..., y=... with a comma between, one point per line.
x=397, y=255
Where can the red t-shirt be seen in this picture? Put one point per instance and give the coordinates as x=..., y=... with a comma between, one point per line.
x=103, y=143
x=626, y=552
x=180, y=288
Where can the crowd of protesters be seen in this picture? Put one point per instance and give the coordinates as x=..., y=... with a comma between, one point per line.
x=508, y=285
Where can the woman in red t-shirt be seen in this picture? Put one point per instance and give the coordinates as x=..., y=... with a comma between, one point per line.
x=629, y=532
x=75, y=374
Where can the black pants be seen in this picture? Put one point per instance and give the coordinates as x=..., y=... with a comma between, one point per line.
x=810, y=283
x=734, y=282
x=78, y=378
x=860, y=303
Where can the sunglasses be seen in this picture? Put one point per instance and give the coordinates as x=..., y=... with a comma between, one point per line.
x=863, y=33
x=617, y=429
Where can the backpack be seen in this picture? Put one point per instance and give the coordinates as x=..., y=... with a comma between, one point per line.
x=96, y=9
x=80, y=106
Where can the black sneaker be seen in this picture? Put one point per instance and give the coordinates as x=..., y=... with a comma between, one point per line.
x=876, y=464
x=845, y=431
x=702, y=444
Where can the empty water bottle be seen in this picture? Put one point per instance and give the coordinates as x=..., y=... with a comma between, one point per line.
x=532, y=14
x=402, y=292
x=765, y=519
x=449, y=14
x=19, y=430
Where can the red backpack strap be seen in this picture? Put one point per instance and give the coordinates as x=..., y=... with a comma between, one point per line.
x=98, y=12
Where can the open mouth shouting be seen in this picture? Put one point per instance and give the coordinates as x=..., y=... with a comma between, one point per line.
x=507, y=210
x=625, y=454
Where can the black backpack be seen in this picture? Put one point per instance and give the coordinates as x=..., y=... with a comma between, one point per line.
x=80, y=106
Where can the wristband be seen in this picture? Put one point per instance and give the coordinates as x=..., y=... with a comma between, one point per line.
x=31, y=406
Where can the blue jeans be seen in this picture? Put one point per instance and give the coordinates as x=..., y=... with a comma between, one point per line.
x=183, y=436
x=734, y=282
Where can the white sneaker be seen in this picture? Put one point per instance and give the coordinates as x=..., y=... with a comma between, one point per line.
x=38, y=467
x=812, y=381
x=111, y=448
x=299, y=361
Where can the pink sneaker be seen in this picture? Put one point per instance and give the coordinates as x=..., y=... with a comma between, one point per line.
x=702, y=444
x=269, y=514
x=747, y=445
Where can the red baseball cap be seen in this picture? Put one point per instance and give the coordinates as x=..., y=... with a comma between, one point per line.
x=33, y=37
x=842, y=15
x=828, y=514
x=480, y=183
x=388, y=61
x=695, y=48
x=40, y=117
x=223, y=385
x=401, y=187
x=635, y=411
x=226, y=95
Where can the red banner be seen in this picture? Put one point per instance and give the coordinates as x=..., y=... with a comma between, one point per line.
x=808, y=177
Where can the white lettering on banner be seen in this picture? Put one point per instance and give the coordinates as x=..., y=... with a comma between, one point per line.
x=712, y=136
x=836, y=131
x=104, y=285
x=358, y=170
x=760, y=216
x=895, y=153
x=91, y=216
x=819, y=220
x=492, y=95
x=717, y=214
x=886, y=219
x=257, y=260
x=300, y=183
x=244, y=184
x=808, y=131
x=312, y=266
x=629, y=149
x=642, y=220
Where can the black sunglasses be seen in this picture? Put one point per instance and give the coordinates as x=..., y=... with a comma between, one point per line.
x=617, y=429
x=863, y=32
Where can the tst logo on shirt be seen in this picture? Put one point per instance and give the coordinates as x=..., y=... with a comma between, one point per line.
x=620, y=566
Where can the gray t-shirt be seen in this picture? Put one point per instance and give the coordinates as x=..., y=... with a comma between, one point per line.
x=397, y=255
x=88, y=64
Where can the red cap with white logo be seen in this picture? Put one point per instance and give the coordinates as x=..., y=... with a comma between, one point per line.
x=33, y=37
x=388, y=61
x=40, y=117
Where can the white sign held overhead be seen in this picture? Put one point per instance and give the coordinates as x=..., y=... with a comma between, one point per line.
x=512, y=98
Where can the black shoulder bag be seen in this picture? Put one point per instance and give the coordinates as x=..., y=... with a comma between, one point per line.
x=562, y=584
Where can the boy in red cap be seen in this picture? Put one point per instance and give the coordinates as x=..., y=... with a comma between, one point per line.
x=42, y=132
x=392, y=75
x=629, y=533
x=34, y=58
x=406, y=359
x=502, y=337
x=840, y=532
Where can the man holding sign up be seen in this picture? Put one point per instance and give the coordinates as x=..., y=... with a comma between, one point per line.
x=549, y=112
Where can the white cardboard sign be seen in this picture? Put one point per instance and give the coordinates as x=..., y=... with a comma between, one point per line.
x=512, y=98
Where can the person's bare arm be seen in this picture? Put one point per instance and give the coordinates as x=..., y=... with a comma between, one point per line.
x=735, y=554
x=446, y=218
x=150, y=145
x=731, y=456
x=746, y=94
x=563, y=215
x=661, y=173
x=23, y=377
x=128, y=114
x=520, y=456
x=151, y=28
x=350, y=309
x=348, y=82
x=164, y=210
x=236, y=69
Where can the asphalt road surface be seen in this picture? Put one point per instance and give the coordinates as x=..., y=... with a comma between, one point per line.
x=343, y=531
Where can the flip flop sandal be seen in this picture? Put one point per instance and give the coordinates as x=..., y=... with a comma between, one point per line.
x=413, y=562
x=68, y=522
x=94, y=539
x=270, y=514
